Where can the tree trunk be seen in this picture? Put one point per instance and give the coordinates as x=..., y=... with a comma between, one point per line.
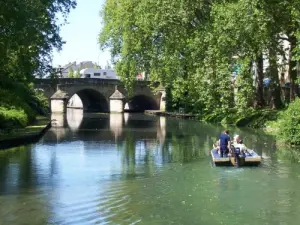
x=259, y=82
x=292, y=68
x=276, y=101
x=297, y=90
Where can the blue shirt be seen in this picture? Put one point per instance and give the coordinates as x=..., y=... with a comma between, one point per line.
x=224, y=139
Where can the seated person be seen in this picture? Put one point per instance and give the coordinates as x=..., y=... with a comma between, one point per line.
x=239, y=146
x=217, y=147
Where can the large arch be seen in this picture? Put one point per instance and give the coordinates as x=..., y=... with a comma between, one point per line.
x=140, y=103
x=92, y=101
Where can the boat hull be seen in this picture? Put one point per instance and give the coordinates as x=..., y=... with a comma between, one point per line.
x=250, y=160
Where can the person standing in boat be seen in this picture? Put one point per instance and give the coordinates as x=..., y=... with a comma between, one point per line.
x=224, y=143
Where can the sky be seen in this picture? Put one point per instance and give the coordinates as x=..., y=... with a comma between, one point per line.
x=81, y=35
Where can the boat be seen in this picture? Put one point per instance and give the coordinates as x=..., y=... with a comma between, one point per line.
x=251, y=158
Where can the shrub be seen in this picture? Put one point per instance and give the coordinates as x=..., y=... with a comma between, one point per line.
x=256, y=118
x=12, y=118
x=289, y=123
x=19, y=105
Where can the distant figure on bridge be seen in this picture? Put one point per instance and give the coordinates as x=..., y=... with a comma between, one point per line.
x=224, y=143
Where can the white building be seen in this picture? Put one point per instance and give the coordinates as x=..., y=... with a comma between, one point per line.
x=76, y=67
x=98, y=73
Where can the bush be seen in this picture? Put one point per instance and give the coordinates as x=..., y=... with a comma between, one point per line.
x=19, y=105
x=12, y=118
x=289, y=123
x=256, y=119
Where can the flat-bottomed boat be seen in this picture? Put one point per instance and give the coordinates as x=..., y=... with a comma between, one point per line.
x=251, y=158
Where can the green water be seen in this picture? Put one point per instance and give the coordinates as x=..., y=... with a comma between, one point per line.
x=136, y=169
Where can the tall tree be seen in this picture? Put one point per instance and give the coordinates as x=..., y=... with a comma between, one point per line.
x=29, y=30
x=190, y=46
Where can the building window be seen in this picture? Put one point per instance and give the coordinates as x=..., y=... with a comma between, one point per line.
x=104, y=73
x=87, y=75
x=97, y=74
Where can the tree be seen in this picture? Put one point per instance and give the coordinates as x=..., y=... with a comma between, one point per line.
x=29, y=32
x=71, y=73
x=190, y=47
x=152, y=36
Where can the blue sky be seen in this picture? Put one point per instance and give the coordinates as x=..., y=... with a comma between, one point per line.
x=81, y=35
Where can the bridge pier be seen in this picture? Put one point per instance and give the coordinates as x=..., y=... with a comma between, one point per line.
x=116, y=102
x=59, y=102
x=162, y=104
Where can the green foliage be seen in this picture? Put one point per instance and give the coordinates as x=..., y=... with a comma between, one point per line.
x=256, y=118
x=191, y=47
x=20, y=104
x=71, y=73
x=289, y=123
x=74, y=74
x=12, y=118
x=29, y=33
x=41, y=102
x=244, y=88
x=12, y=101
x=291, y=153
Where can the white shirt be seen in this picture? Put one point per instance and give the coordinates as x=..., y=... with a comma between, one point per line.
x=242, y=147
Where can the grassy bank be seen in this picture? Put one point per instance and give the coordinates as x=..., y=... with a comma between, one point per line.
x=20, y=104
x=253, y=118
x=22, y=113
x=287, y=126
x=283, y=124
x=35, y=127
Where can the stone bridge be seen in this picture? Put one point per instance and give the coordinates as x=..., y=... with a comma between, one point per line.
x=101, y=95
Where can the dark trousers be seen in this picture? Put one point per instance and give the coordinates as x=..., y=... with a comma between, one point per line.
x=237, y=157
x=223, y=151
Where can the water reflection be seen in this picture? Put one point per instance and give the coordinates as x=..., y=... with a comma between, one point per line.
x=116, y=124
x=131, y=168
x=58, y=120
x=74, y=118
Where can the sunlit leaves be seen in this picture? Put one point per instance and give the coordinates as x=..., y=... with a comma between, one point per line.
x=191, y=46
x=29, y=32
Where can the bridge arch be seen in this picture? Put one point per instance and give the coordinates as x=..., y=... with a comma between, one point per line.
x=140, y=103
x=100, y=92
x=92, y=100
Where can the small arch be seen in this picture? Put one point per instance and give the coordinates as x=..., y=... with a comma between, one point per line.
x=75, y=102
x=140, y=103
x=91, y=101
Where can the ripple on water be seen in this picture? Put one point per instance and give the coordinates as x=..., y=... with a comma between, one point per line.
x=105, y=205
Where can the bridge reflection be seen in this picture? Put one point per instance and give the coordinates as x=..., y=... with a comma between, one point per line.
x=164, y=133
x=76, y=124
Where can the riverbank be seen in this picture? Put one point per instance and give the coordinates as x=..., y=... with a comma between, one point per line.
x=255, y=119
x=27, y=135
x=171, y=114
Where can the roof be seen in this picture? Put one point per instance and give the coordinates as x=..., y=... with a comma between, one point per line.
x=59, y=95
x=117, y=95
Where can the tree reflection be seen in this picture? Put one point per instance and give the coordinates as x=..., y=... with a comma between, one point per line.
x=20, y=184
x=290, y=153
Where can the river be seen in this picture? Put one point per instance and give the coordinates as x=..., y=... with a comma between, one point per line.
x=137, y=169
